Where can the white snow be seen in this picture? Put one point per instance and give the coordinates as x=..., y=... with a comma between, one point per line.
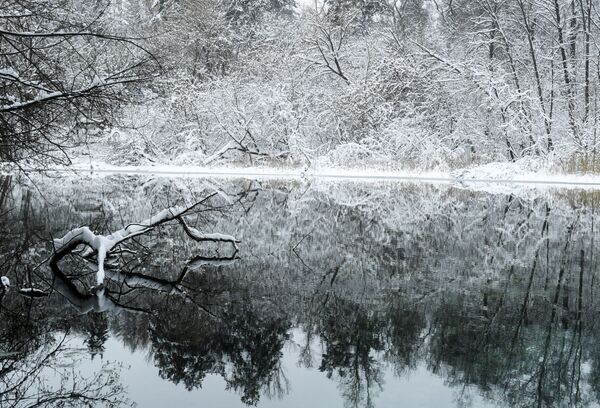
x=33, y=292
x=102, y=245
x=22, y=104
x=199, y=236
x=97, y=81
x=9, y=72
x=493, y=177
x=45, y=96
x=228, y=146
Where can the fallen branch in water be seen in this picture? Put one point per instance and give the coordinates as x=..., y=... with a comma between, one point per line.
x=102, y=245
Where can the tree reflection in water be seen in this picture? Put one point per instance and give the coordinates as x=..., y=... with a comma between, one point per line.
x=495, y=294
x=38, y=365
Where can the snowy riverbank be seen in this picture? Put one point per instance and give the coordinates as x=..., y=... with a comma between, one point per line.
x=493, y=177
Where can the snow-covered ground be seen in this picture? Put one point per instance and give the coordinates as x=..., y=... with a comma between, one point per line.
x=492, y=177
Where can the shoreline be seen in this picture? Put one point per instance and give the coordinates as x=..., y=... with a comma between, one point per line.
x=496, y=174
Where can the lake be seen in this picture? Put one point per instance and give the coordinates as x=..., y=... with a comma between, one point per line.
x=339, y=293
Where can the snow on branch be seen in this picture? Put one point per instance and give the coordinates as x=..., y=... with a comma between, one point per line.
x=94, y=86
x=199, y=236
x=102, y=245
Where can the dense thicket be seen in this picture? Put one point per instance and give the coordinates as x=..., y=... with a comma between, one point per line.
x=398, y=83
x=65, y=71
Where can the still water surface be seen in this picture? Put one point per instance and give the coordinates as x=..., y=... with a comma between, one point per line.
x=342, y=294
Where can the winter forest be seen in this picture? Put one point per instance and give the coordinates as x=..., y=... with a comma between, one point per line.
x=299, y=203
x=420, y=84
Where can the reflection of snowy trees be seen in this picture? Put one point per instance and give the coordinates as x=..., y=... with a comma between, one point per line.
x=243, y=344
x=351, y=339
x=34, y=348
x=494, y=292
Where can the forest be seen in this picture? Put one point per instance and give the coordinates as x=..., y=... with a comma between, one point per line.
x=395, y=84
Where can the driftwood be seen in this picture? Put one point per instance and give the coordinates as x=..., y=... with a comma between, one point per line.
x=104, y=245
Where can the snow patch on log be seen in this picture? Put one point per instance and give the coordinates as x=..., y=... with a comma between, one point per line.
x=102, y=245
x=32, y=292
x=214, y=237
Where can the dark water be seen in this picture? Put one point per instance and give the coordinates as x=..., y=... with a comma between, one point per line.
x=341, y=295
